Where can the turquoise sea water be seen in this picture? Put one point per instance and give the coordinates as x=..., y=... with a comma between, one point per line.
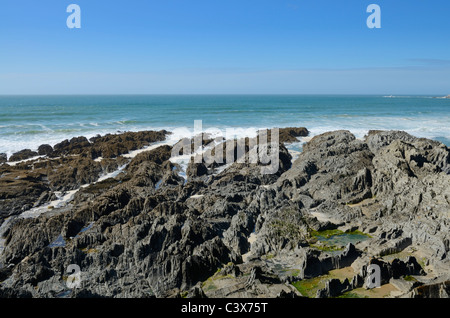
x=28, y=121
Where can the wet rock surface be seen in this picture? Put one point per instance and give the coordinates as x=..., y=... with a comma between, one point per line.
x=229, y=229
x=66, y=166
x=22, y=155
x=3, y=158
x=290, y=134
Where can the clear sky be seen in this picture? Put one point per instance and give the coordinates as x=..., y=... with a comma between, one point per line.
x=226, y=46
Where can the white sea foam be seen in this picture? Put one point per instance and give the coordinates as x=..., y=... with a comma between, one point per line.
x=414, y=126
x=14, y=163
x=15, y=143
x=112, y=174
x=134, y=153
x=62, y=199
x=426, y=125
x=430, y=127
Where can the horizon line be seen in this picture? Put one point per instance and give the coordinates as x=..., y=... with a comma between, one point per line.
x=226, y=94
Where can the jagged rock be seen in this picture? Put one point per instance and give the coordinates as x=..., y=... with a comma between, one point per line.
x=312, y=266
x=75, y=146
x=196, y=292
x=231, y=269
x=5, y=272
x=290, y=294
x=108, y=146
x=348, y=256
x=19, y=190
x=395, y=243
x=282, y=230
x=248, y=151
x=9, y=292
x=196, y=170
x=316, y=225
x=158, y=156
x=186, y=146
x=316, y=265
x=286, y=134
x=333, y=288
x=290, y=134
x=438, y=290
x=377, y=139
x=74, y=173
x=3, y=158
x=405, y=286
x=395, y=269
x=258, y=273
x=357, y=282
x=148, y=232
x=337, y=162
x=236, y=235
x=112, y=146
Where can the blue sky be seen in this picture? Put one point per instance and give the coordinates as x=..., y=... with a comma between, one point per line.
x=227, y=46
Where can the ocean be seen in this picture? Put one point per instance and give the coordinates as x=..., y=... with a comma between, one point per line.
x=29, y=121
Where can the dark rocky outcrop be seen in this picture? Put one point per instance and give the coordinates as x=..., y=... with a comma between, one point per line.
x=74, y=146
x=395, y=269
x=22, y=155
x=45, y=150
x=147, y=231
x=290, y=134
x=337, y=162
x=334, y=287
x=33, y=183
x=112, y=146
x=19, y=189
x=436, y=290
x=107, y=146
x=186, y=146
x=316, y=265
